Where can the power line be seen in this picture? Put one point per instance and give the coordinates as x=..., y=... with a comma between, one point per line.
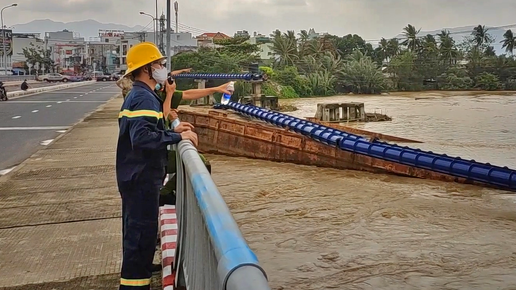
x=450, y=33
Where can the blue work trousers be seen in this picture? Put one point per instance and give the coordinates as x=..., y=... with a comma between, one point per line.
x=140, y=207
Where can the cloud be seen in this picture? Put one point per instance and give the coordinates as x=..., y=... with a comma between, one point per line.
x=371, y=19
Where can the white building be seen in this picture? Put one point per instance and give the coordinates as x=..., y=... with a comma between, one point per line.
x=66, y=49
x=21, y=41
x=181, y=41
x=264, y=44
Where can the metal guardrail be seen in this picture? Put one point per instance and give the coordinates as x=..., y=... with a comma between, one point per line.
x=469, y=169
x=211, y=253
x=16, y=78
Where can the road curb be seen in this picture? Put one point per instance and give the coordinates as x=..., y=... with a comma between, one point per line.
x=6, y=177
x=19, y=94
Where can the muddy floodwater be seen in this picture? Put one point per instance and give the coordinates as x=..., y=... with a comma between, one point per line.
x=319, y=228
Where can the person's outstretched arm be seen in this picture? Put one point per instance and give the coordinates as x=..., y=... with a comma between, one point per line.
x=194, y=94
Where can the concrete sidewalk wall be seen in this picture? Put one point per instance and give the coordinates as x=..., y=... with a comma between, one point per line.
x=48, y=89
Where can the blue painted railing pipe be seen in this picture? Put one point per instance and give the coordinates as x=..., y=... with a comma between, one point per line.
x=209, y=76
x=455, y=166
x=235, y=258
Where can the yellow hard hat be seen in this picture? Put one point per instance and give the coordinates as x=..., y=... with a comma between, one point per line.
x=140, y=55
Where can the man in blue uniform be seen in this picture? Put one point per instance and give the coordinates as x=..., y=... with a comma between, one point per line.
x=141, y=160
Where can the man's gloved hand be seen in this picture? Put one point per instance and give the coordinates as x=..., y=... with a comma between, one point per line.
x=190, y=135
x=183, y=127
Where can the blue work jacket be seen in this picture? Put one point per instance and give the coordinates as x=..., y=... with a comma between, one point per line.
x=142, y=141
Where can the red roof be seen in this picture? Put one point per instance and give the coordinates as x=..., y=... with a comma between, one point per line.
x=215, y=35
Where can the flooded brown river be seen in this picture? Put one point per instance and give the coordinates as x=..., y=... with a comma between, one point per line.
x=319, y=228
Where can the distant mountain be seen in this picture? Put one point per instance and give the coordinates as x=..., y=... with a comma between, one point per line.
x=459, y=33
x=86, y=28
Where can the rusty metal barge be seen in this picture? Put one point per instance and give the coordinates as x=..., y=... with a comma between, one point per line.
x=245, y=130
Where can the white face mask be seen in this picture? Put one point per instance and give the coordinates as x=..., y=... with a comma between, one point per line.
x=160, y=75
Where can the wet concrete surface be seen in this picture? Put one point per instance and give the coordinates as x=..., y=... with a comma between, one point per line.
x=315, y=228
x=60, y=224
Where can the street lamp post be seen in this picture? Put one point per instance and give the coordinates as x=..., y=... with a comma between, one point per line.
x=4, y=57
x=154, y=21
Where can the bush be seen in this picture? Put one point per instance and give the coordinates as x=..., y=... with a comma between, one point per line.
x=510, y=85
x=487, y=81
x=288, y=92
x=451, y=81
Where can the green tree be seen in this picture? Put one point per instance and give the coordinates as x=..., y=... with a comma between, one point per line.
x=488, y=82
x=37, y=55
x=411, y=41
x=362, y=76
x=509, y=42
x=284, y=47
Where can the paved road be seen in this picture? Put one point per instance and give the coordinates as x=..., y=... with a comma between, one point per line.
x=28, y=123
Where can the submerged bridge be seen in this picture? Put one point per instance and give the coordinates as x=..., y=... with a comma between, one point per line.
x=202, y=245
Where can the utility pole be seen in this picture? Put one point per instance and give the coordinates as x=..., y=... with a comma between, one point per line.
x=156, y=25
x=176, y=7
x=167, y=53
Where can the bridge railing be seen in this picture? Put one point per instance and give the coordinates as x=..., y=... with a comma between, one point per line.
x=211, y=251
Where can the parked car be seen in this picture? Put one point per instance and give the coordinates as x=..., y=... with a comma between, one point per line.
x=54, y=77
x=105, y=78
x=76, y=78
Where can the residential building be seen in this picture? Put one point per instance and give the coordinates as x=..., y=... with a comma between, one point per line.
x=259, y=38
x=6, y=36
x=207, y=39
x=22, y=41
x=66, y=49
x=265, y=45
x=242, y=33
x=182, y=41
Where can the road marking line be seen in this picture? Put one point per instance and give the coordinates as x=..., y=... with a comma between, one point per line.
x=5, y=171
x=48, y=106
x=75, y=97
x=16, y=117
x=61, y=131
x=59, y=102
x=33, y=128
x=46, y=142
x=35, y=111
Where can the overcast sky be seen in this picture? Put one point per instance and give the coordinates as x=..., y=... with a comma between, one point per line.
x=372, y=19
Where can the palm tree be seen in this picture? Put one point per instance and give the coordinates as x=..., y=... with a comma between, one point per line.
x=303, y=40
x=481, y=36
x=411, y=42
x=284, y=47
x=383, y=45
x=393, y=47
x=509, y=42
x=447, y=49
